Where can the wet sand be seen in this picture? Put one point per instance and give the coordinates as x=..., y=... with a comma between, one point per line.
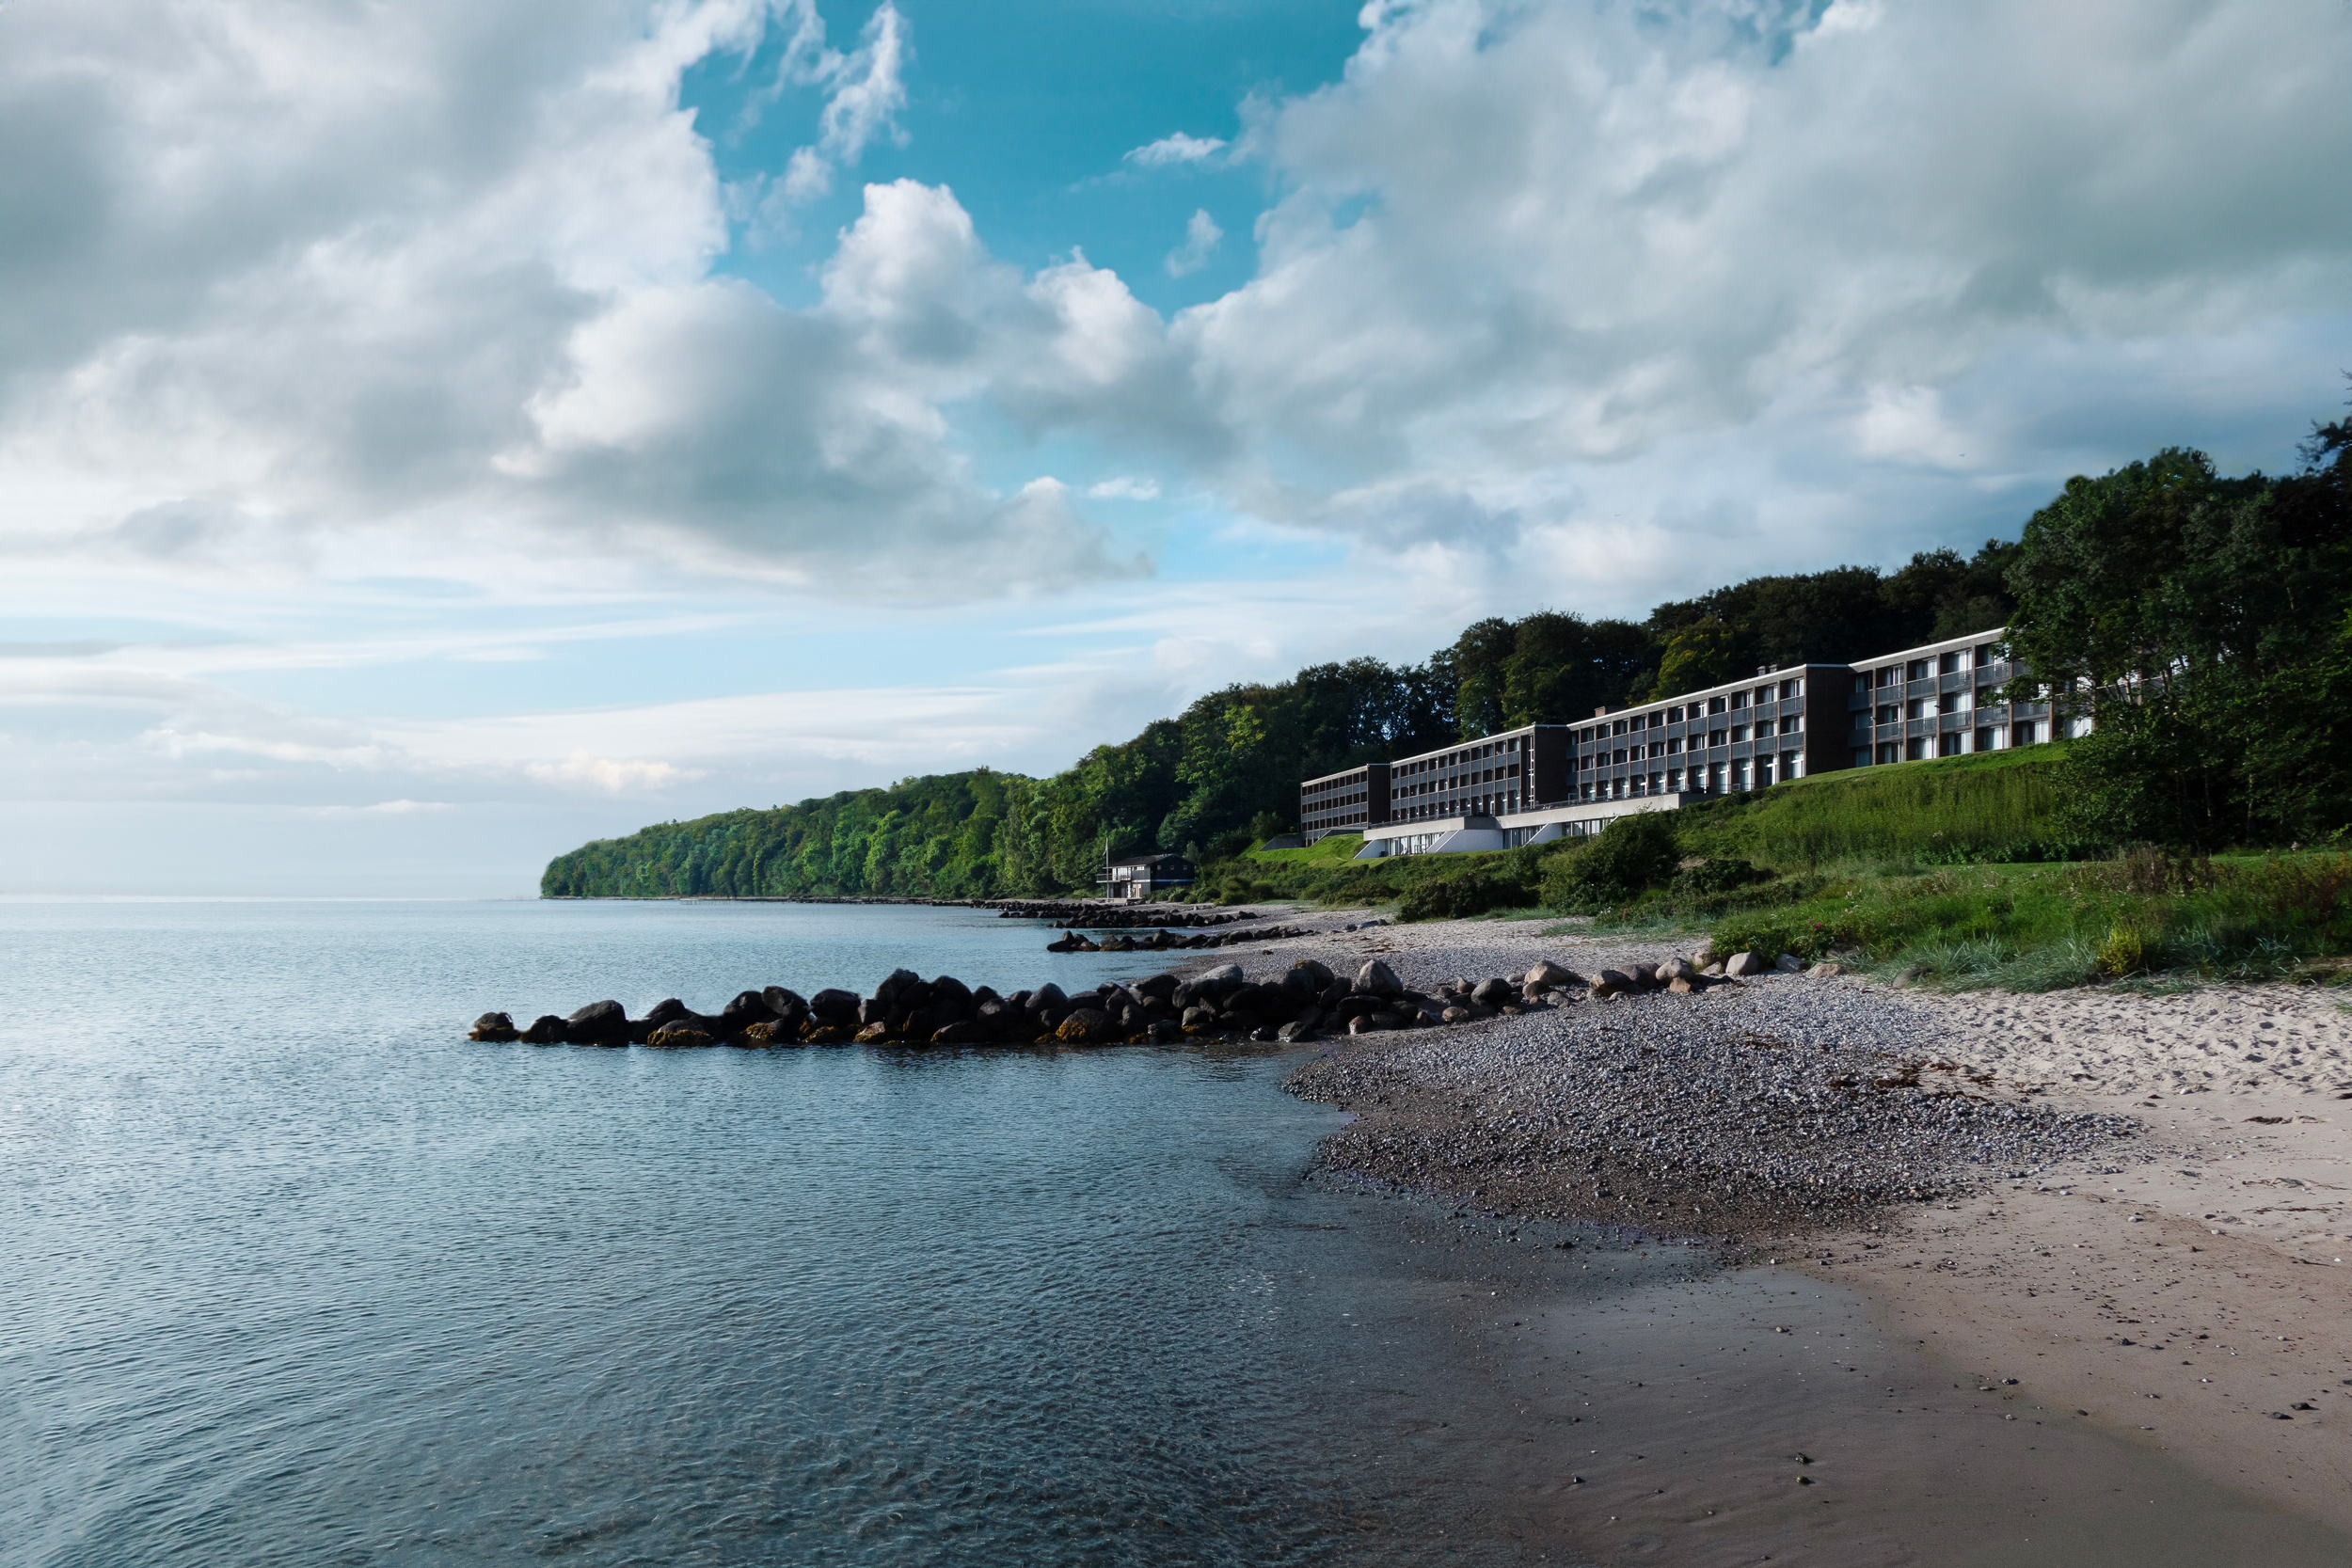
x=2087, y=1272
x=1622, y=1403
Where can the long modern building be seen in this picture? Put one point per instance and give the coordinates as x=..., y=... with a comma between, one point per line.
x=1551, y=781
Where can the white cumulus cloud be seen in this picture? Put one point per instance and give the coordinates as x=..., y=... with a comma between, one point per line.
x=1201, y=235
x=1177, y=148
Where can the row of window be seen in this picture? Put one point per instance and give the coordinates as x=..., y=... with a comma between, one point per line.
x=1714, y=778
x=1476, y=805
x=1508, y=746
x=1992, y=737
x=1948, y=663
x=1673, y=745
x=1787, y=690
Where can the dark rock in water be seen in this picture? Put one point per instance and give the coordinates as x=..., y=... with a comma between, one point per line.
x=1264, y=1035
x=833, y=1008
x=773, y=1033
x=916, y=1026
x=493, y=1026
x=1297, y=1032
x=960, y=1033
x=548, y=1029
x=902, y=989
x=995, y=1020
x=684, y=1033
x=1161, y=986
x=1235, y=1021
x=1225, y=977
x=1082, y=1026
x=951, y=999
x=664, y=1010
x=871, y=1011
x=824, y=1033
x=599, y=1024
x=1318, y=975
x=1163, y=1032
x=1248, y=998
x=873, y=1034
x=749, y=1007
x=1048, y=1005
x=1200, y=1016
x=791, y=1009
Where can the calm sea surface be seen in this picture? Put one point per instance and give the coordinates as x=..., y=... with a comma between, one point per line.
x=292, y=1274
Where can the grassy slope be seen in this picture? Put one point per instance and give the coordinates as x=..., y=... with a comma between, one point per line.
x=1951, y=869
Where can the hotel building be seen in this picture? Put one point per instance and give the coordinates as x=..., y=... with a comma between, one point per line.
x=1545, y=782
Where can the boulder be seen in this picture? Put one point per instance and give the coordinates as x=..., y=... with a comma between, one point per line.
x=1265, y=1034
x=1559, y=998
x=546, y=1029
x=963, y=1032
x=493, y=1026
x=951, y=999
x=995, y=1020
x=749, y=1007
x=664, y=1010
x=1161, y=987
x=1318, y=975
x=1224, y=977
x=1644, y=976
x=773, y=1032
x=1457, y=1014
x=1296, y=1032
x=833, y=1008
x=1082, y=1026
x=1048, y=998
x=1163, y=1032
x=1200, y=1017
x=1299, y=989
x=1546, y=975
x=1789, y=963
x=1682, y=984
x=872, y=1034
x=814, y=1033
x=902, y=989
x=1370, y=1023
x=1377, y=979
x=1612, y=982
x=599, y=1024
x=1743, y=963
x=1673, y=970
x=1825, y=971
x=1248, y=998
x=784, y=1002
x=1493, y=993
x=681, y=1035
x=1705, y=955
x=1713, y=972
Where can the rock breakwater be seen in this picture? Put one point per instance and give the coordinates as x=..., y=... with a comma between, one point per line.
x=1303, y=1002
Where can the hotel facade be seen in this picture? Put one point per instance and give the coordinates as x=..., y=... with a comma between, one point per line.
x=1544, y=781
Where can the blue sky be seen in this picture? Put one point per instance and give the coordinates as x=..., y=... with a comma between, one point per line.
x=434, y=436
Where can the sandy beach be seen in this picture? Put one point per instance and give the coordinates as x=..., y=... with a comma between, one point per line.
x=2124, y=1213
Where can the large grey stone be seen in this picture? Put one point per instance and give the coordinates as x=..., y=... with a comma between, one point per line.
x=1377, y=979
x=1743, y=963
x=1546, y=975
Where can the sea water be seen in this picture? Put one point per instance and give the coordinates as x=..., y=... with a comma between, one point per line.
x=295, y=1274
x=290, y=1272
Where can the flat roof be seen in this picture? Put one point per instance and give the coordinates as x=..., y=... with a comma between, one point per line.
x=1360, y=768
x=1999, y=634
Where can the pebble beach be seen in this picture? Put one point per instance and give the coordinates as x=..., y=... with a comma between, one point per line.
x=2124, y=1208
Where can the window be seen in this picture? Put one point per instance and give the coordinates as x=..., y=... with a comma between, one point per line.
x=1949, y=703
x=1714, y=704
x=1738, y=732
x=1891, y=675
x=1763, y=693
x=1951, y=663
x=1674, y=781
x=1861, y=685
x=1715, y=738
x=1916, y=708
x=1921, y=669
x=1738, y=698
x=1915, y=748
x=1791, y=690
x=1888, y=716
x=1617, y=728
x=1673, y=716
x=1791, y=725
x=1673, y=745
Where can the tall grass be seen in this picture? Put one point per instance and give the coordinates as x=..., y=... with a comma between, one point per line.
x=2000, y=806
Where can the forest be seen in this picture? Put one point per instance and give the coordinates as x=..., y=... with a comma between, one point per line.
x=2207, y=619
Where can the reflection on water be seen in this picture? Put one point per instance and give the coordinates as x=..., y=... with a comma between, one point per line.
x=298, y=1275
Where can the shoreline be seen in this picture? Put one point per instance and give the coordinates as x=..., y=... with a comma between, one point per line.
x=2165, y=1265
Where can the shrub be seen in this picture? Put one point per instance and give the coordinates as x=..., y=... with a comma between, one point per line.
x=1634, y=853
x=1714, y=876
x=1472, y=892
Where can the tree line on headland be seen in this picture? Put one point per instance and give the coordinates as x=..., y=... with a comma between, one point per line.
x=2209, y=618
